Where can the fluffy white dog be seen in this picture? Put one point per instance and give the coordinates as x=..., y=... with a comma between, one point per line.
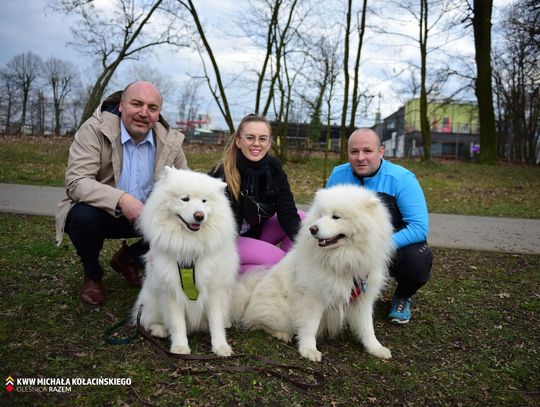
x=188, y=221
x=332, y=276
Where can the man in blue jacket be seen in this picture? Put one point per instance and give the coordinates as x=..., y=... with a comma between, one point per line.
x=399, y=189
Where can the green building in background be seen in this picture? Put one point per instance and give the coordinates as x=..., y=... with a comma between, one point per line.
x=454, y=129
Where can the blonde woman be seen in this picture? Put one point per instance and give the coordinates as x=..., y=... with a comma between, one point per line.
x=260, y=194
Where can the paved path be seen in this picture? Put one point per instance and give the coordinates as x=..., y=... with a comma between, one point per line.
x=452, y=231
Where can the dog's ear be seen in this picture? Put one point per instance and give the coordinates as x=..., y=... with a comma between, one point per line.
x=223, y=186
x=373, y=202
x=166, y=171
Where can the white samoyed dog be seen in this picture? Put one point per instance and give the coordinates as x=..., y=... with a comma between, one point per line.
x=188, y=221
x=344, y=246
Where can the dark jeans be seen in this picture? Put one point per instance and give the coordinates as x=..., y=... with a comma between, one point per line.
x=88, y=227
x=411, y=267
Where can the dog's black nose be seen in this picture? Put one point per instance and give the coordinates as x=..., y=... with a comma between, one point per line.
x=313, y=229
x=199, y=216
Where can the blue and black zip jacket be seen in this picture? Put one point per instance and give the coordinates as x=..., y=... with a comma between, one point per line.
x=399, y=189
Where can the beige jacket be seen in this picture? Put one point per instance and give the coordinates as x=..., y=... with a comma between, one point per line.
x=95, y=162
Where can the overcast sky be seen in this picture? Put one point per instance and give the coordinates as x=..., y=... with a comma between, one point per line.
x=28, y=26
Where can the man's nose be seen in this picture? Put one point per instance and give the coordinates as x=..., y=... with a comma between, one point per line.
x=143, y=111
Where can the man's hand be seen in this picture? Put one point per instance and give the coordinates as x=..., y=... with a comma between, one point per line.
x=130, y=206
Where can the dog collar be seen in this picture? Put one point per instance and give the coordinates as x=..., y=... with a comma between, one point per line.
x=358, y=288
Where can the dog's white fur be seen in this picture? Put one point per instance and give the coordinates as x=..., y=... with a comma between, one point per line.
x=308, y=293
x=188, y=220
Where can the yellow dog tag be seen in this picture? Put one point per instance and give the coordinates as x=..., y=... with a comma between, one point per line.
x=187, y=279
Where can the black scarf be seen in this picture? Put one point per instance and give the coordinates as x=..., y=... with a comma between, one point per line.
x=253, y=174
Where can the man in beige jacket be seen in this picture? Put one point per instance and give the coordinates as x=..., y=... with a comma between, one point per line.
x=113, y=161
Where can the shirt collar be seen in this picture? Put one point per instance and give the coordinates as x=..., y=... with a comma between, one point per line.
x=125, y=137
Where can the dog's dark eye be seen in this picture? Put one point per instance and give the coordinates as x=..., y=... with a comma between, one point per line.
x=336, y=217
x=185, y=198
x=204, y=200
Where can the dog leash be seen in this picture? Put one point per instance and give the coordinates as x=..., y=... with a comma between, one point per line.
x=108, y=334
x=188, y=283
x=319, y=378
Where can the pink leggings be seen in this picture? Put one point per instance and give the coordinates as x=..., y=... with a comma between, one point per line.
x=263, y=251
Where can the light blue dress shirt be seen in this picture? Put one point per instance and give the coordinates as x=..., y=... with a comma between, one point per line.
x=137, y=175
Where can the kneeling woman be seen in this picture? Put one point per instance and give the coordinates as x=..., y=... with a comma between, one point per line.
x=260, y=195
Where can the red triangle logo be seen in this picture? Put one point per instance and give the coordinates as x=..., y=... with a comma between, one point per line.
x=9, y=387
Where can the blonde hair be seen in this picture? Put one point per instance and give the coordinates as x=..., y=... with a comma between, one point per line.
x=231, y=174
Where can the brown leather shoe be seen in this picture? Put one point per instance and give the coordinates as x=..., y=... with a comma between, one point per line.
x=125, y=264
x=93, y=293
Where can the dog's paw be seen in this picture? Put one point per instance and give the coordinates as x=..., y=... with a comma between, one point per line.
x=181, y=349
x=381, y=352
x=159, y=331
x=311, y=353
x=222, y=350
x=282, y=336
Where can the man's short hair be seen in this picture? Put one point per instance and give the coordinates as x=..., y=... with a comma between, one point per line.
x=123, y=97
x=370, y=130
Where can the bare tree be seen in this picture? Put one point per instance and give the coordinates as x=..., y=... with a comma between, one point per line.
x=434, y=20
x=273, y=26
x=219, y=94
x=481, y=22
x=24, y=69
x=60, y=75
x=351, y=101
x=39, y=109
x=318, y=80
x=346, y=47
x=270, y=41
x=356, y=95
x=282, y=99
x=75, y=104
x=188, y=102
x=122, y=34
x=422, y=42
x=331, y=74
x=278, y=44
x=517, y=83
x=271, y=78
x=7, y=98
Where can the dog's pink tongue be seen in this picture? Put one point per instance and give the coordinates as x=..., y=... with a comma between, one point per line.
x=195, y=226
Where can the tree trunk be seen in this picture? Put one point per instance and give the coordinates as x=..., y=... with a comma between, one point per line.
x=57, y=118
x=25, y=92
x=355, y=101
x=280, y=44
x=8, y=114
x=483, y=89
x=98, y=89
x=424, y=121
x=344, y=135
x=270, y=37
x=224, y=103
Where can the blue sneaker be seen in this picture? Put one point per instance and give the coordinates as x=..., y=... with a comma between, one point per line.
x=401, y=310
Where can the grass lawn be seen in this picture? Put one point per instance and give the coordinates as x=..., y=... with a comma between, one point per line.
x=506, y=190
x=473, y=339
